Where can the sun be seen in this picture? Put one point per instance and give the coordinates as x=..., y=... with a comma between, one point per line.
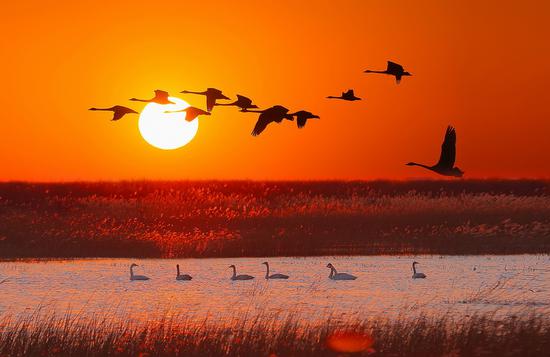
x=167, y=131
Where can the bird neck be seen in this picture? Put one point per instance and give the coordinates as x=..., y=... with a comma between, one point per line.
x=332, y=272
x=191, y=92
x=131, y=270
x=267, y=271
x=421, y=165
x=178, y=270
x=414, y=269
x=234, y=272
x=373, y=71
x=139, y=100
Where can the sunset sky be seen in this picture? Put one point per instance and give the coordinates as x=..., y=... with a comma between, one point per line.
x=482, y=66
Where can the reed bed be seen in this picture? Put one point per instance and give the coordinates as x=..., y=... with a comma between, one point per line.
x=241, y=218
x=268, y=336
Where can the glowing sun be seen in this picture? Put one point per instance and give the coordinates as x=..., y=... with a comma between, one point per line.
x=167, y=131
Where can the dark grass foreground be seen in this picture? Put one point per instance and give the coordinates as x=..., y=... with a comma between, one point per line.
x=222, y=219
x=473, y=336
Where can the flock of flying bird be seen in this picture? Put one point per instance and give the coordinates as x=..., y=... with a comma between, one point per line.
x=278, y=113
x=334, y=275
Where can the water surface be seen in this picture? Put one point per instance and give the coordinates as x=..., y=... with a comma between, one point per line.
x=457, y=285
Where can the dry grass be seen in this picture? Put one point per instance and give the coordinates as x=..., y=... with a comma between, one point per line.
x=473, y=336
x=205, y=219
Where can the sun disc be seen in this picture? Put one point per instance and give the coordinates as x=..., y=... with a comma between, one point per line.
x=167, y=131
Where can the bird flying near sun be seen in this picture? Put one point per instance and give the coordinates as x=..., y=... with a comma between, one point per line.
x=165, y=126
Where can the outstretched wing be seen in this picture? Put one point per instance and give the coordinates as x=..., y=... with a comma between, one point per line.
x=394, y=67
x=448, y=149
x=120, y=111
x=244, y=101
x=261, y=124
x=301, y=121
x=191, y=113
x=210, y=102
x=160, y=94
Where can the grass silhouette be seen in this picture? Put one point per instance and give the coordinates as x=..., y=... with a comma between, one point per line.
x=241, y=218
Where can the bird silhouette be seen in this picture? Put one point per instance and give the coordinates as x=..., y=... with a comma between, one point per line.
x=274, y=114
x=191, y=113
x=445, y=166
x=393, y=69
x=302, y=116
x=349, y=95
x=161, y=97
x=119, y=111
x=212, y=94
x=242, y=102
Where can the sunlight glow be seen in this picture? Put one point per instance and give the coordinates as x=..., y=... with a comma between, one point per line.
x=167, y=131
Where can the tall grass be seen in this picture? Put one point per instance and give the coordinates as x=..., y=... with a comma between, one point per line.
x=441, y=336
x=205, y=219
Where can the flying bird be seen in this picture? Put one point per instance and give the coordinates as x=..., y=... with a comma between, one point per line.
x=242, y=102
x=270, y=115
x=119, y=111
x=445, y=166
x=191, y=113
x=161, y=97
x=393, y=69
x=212, y=94
x=302, y=116
x=349, y=95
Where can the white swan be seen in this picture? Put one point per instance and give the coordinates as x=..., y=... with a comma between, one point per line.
x=334, y=275
x=182, y=277
x=417, y=275
x=136, y=277
x=241, y=276
x=273, y=276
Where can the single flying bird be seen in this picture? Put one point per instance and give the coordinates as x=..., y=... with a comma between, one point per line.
x=161, y=97
x=242, y=102
x=393, y=69
x=302, y=116
x=445, y=166
x=191, y=113
x=275, y=114
x=118, y=110
x=349, y=96
x=212, y=94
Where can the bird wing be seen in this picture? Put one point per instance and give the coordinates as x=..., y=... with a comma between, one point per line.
x=301, y=121
x=160, y=94
x=394, y=67
x=118, y=114
x=210, y=102
x=261, y=124
x=244, y=101
x=448, y=149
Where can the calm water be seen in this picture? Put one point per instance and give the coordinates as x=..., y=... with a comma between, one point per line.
x=510, y=285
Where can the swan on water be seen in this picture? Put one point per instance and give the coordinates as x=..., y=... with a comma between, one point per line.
x=334, y=275
x=273, y=276
x=180, y=276
x=417, y=275
x=136, y=277
x=240, y=276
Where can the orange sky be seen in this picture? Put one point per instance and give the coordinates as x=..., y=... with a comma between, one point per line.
x=482, y=66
